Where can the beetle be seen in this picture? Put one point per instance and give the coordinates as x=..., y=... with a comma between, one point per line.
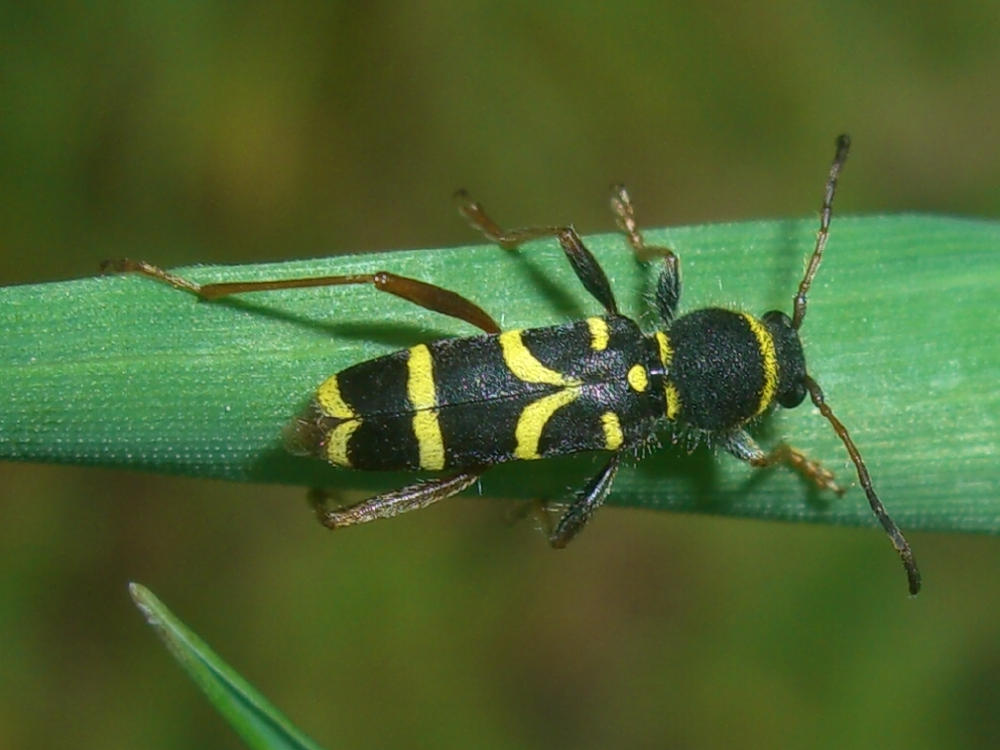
x=463, y=405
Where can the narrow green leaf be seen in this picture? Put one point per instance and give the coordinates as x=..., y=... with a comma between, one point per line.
x=259, y=723
x=902, y=333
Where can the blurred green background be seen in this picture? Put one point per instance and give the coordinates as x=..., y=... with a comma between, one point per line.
x=206, y=132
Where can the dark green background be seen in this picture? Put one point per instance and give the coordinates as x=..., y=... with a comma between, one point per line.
x=196, y=132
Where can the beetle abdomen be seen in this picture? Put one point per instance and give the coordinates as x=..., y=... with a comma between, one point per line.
x=481, y=400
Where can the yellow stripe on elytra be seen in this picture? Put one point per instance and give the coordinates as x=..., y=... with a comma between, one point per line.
x=765, y=343
x=524, y=365
x=598, y=333
x=420, y=390
x=533, y=419
x=337, y=441
x=331, y=402
x=673, y=400
x=666, y=351
x=638, y=378
x=613, y=435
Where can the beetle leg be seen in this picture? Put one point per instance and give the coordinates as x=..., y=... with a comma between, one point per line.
x=668, y=286
x=745, y=448
x=584, y=264
x=429, y=296
x=621, y=205
x=584, y=505
x=389, y=504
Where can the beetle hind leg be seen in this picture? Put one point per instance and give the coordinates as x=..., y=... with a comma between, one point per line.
x=389, y=504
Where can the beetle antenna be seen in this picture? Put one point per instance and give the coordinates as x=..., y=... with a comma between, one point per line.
x=895, y=535
x=843, y=146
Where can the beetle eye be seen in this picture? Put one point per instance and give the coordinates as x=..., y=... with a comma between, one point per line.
x=793, y=396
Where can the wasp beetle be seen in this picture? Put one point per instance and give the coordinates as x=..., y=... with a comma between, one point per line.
x=462, y=405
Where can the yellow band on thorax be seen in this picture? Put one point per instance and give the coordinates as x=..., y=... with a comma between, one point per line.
x=666, y=351
x=769, y=362
x=613, y=435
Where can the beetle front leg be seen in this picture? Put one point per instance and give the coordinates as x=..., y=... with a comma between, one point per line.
x=745, y=448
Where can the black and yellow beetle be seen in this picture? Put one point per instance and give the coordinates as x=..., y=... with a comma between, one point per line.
x=463, y=405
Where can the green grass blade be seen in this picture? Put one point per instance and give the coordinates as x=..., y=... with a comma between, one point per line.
x=259, y=723
x=902, y=333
